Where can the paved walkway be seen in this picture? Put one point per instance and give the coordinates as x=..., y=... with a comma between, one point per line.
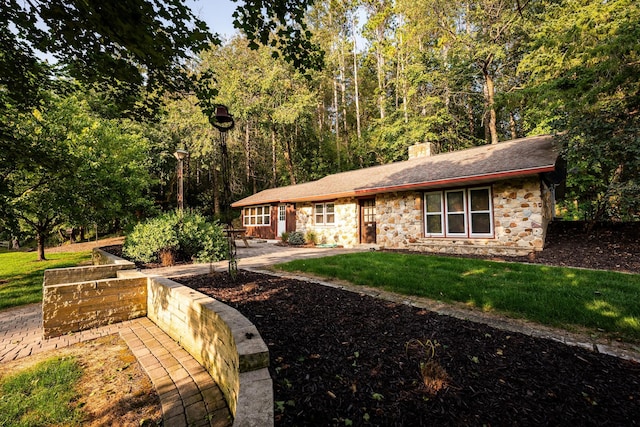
x=188, y=394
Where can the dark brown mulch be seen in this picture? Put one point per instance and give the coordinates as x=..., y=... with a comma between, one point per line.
x=605, y=246
x=341, y=358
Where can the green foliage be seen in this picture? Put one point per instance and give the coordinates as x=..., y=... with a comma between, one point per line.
x=41, y=395
x=296, y=238
x=21, y=274
x=311, y=237
x=561, y=297
x=188, y=234
x=86, y=169
x=583, y=72
x=284, y=237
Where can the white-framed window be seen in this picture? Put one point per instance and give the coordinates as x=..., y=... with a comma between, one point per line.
x=456, y=218
x=480, y=212
x=257, y=216
x=459, y=213
x=324, y=214
x=434, y=214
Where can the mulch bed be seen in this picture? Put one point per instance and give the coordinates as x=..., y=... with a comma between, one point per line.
x=341, y=358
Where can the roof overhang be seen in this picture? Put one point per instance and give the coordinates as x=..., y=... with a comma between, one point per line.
x=448, y=182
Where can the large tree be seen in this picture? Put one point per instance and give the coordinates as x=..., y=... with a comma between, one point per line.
x=583, y=76
x=100, y=172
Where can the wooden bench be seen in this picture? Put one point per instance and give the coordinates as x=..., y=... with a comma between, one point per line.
x=238, y=233
x=5, y=244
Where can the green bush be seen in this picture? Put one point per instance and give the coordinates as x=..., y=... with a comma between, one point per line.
x=284, y=237
x=296, y=238
x=186, y=236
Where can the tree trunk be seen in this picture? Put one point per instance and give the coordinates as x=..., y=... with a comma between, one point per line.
x=355, y=81
x=337, y=120
x=289, y=159
x=343, y=89
x=490, y=94
x=273, y=158
x=247, y=150
x=40, y=238
x=512, y=125
x=380, y=72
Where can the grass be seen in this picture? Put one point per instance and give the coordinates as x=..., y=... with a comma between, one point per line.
x=21, y=274
x=601, y=301
x=41, y=395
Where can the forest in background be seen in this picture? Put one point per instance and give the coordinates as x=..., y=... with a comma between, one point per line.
x=315, y=88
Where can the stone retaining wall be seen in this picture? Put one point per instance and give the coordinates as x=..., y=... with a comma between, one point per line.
x=78, y=306
x=219, y=338
x=216, y=335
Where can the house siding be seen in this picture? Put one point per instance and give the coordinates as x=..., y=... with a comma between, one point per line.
x=399, y=219
x=264, y=231
x=521, y=210
x=345, y=230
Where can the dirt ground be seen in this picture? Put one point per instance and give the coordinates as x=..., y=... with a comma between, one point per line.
x=113, y=389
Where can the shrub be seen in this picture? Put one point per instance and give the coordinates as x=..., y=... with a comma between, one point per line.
x=311, y=237
x=174, y=236
x=284, y=237
x=296, y=238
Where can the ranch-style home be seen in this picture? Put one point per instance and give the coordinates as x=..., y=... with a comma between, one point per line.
x=492, y=199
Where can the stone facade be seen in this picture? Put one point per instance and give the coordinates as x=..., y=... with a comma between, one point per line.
x=399, y=220
x=343, y=233
x=522, y=208
x=521, y=212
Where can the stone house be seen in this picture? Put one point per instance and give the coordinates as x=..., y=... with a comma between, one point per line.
x=492, y=199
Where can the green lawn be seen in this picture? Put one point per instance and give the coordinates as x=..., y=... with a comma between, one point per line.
x=561, y=297
x=21, y=274
x=41, y=395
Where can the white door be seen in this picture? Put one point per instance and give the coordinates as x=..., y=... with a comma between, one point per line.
x=282, y=219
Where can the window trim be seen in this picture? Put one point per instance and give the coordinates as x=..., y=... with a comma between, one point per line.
x=488, y=211
x=463, y=212
x=467, y=212
x=441, y=213
x=324, y=214
x=265, y=215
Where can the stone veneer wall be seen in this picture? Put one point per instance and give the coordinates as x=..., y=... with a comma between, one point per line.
x=521, y=213
x=345, y=230
x=398, y=219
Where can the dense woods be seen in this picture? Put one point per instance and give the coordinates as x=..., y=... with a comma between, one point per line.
x=316, y=89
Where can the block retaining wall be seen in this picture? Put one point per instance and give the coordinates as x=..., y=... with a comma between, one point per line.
x=216, y=335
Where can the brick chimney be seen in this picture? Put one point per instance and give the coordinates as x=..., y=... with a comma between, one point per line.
x=420, y=149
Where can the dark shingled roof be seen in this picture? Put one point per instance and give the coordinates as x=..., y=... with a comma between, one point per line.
x=509, y=159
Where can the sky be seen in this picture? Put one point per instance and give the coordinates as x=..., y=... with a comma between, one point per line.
x=216, y=13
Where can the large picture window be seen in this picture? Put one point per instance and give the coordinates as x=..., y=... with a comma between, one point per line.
x=459, y=213
x=257, y=216
x=325, y=214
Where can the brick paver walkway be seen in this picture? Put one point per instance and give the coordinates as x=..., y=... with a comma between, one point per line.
x=188, y=394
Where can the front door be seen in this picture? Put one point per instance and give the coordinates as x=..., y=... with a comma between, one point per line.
x=368, y=221
x=282, y=219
